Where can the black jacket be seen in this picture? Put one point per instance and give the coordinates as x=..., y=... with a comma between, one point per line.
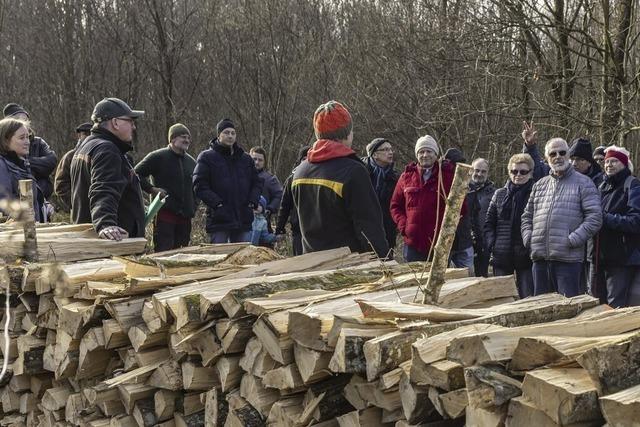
x=173, y=173
x=479, y=200
x=501, y=239
x=287, y=211
x=43, y=161
x=336, y=203
x=12, y=170
x=227, y=182
x=617, y=243
x=105, y=189
x=384, y=197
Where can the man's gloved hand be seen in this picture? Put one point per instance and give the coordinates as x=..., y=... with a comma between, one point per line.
x=157, y=190
x=113, y=233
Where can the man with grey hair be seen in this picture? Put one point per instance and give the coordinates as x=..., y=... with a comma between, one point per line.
x=562, y=214
x=105, y=189
x=481, y=191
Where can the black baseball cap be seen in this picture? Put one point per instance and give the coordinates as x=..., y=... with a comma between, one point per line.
x=110, y=108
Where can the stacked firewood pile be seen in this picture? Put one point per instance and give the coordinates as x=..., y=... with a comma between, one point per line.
x=233, y=335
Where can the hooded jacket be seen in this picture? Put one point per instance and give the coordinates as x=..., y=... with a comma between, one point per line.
x=12, y=170
x=336, y=203
x=226, y=180
x=384, y=197
x=105, y=189
x=414, y=202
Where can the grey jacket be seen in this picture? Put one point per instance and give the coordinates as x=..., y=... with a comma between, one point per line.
x=562, y=214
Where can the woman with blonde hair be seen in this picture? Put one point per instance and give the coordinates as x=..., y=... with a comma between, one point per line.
x=502, y=226
x=14, y=163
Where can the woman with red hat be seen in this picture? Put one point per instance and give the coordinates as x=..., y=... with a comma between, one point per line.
x=616, y=249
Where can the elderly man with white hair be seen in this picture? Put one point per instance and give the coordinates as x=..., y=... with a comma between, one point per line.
x=562, y=214
x=419, y=199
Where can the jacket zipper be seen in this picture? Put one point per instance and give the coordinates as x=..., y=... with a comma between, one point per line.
x=553, y=202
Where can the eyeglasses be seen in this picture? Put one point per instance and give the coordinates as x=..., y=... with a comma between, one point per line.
x=126, y=119
x=560, y=153
x=522, y=172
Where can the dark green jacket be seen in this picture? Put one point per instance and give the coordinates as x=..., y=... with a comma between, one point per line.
x=172, y=173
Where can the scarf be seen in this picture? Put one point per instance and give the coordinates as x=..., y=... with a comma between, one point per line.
x=379, y=175
x=514, y=202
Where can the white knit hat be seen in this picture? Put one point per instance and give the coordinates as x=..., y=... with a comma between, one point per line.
x=429, y=142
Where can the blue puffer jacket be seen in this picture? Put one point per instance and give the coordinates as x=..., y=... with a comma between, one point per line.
x=12, y=170
x=227, y=182
x=618, y=242
x=562, y=214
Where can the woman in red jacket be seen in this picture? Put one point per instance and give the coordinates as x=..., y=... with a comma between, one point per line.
x=419, y=199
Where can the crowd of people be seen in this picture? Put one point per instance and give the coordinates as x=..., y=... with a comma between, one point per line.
x=567, y=220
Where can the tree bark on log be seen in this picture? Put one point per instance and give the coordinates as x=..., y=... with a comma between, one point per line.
x=447, y=233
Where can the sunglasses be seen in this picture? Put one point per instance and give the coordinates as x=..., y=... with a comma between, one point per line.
x=522, y=172
x=560, y=153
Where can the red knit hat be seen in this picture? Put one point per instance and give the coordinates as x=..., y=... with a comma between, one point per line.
x=618, y=153
x=332, y=121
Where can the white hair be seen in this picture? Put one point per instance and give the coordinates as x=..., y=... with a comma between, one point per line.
x=554, y=140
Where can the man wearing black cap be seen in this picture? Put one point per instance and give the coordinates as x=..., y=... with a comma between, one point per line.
x=581, y=154
x=42, y=159
x=171, y=169
x=105, y=188
x=226, y=180
x=62, y=181
x=379, y=163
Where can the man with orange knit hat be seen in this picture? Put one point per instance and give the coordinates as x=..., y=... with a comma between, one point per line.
x=334, y=198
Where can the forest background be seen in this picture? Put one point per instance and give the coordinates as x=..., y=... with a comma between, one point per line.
x=467, y=72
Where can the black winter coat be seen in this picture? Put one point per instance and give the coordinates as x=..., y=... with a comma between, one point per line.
x=480, y=198
x=504, y=243
x=227, y=182
x=105, y=189
x=617, y=244
x=384, y=197
x=287, y=211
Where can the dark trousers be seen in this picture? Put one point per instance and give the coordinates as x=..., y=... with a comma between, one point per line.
x=296, y=241
x=557, y=276
x=524, y=279
x=167, y=235
x=410, y=254
x=623, y=286
x=230, y=236
x=481, y=263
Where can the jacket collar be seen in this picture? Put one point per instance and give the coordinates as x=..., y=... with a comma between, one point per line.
x=327, y=149
x=101, y=133
x=234, y=151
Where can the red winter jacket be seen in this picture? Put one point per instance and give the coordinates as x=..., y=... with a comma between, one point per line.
x=413, y=205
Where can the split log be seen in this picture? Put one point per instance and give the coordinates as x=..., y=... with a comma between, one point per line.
x=613, y=366
x=534, y=352
x=622, y=408
x=114, y=335
x=574, y=396
x=286, y=411
x=443, y=374
x=452, y=404
x=370, y=417
x=352, y=393
x=199, y=378
x=229, y=372
x=260, y=397
x=490, y=387
x=131, y=393
x=287, y=379
x=429, y=350
x=416, y=405
x=481, y=417
x=499, y=346
x=242, y=414
x=164, y=404
x=522, y=412
x=93, y=357
x=56, y=398
x=348, y=356
x=167, y=376
x=216, y=408
x=392, y=378
x=143, y=412
x=235, y=338
x=272, y=332
x=313, y=365
x=143, y=338
x=207, y=345
x=325, y=400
